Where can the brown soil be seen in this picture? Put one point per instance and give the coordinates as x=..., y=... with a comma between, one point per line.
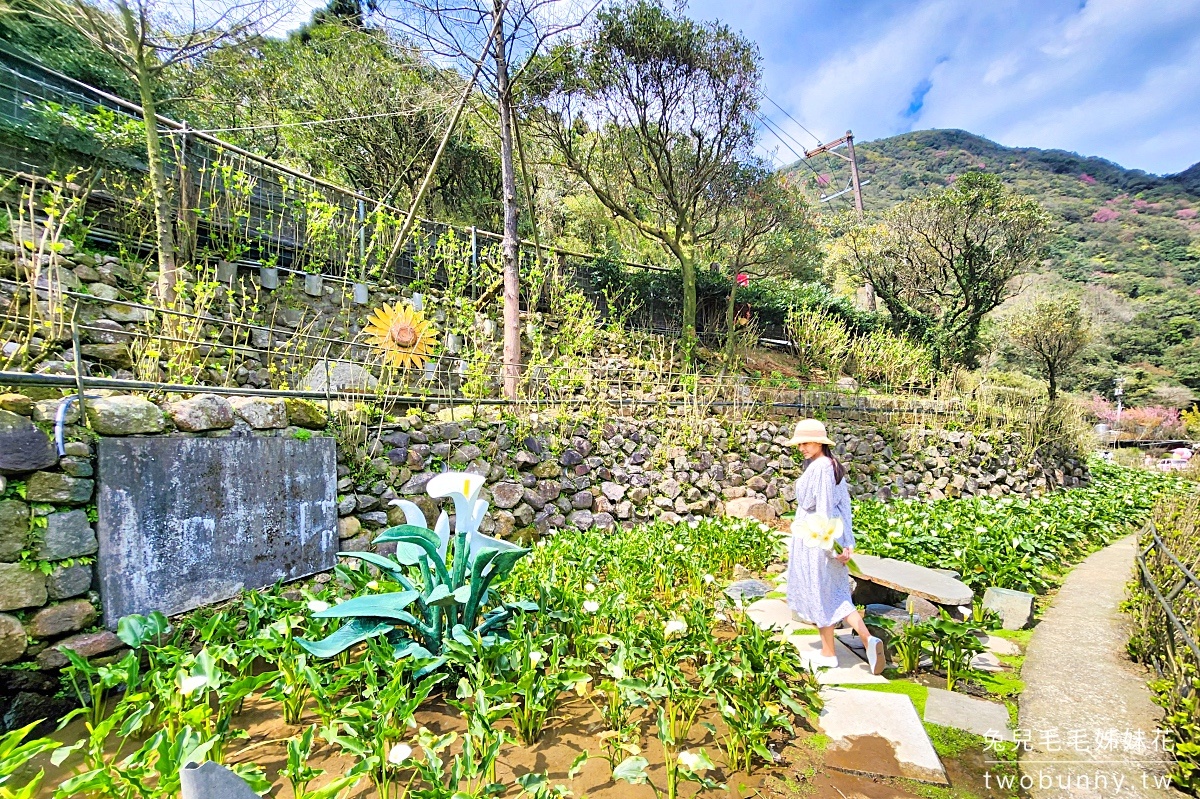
x=572, y=732
x=801, y=771
x=769, y=361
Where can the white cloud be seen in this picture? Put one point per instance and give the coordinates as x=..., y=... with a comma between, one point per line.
x=1114, y=78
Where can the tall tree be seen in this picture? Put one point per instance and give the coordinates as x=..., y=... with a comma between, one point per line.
x=941, y=263
x=768, y=231
x=509, y=34
x=654, y=111
x=145, y=39
x=1052, y=333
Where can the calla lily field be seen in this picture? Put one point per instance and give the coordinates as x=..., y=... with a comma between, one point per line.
x=447, y=669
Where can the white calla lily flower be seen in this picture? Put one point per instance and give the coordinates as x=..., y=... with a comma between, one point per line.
x=412, y=514
x=462, y=488
x=189, y=685
x=442, y=530
x=693, y=761
x=591, y=606
x=317, y=606
x=820, y=531
x=399, y=754
x=675, y=627
x=447, y=484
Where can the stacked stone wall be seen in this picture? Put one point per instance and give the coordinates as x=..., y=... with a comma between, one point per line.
x=569, y=470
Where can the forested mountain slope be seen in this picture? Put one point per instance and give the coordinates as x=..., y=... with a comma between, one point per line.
x=1128, y=239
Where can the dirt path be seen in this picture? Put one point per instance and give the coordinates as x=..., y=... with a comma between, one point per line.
x=1086, y=710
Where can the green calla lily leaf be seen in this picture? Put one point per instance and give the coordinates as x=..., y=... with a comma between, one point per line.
x=382, y=606
x=381, y=562
x=411, y=649
x=410, y=554
x=440, y=596
x=632, y=770
x=405, y=532
x=350, y=633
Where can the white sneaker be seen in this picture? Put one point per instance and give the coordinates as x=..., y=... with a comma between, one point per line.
x=876, y=658
x=824, y=661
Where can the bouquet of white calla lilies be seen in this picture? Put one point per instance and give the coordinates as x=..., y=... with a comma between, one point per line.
x=821, y=532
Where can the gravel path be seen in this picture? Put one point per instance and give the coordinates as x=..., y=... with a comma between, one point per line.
x=1086, y=710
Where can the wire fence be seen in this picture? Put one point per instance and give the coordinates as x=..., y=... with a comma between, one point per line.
x=242, y=208
x=244, y=211
x=175, y=351
x=1176, y=593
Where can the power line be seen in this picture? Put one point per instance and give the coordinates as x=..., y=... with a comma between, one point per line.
x=779, y=132
x=311, y=122
x=789, y=116
x=775, y=131
x=802, y=158
x=769, y=126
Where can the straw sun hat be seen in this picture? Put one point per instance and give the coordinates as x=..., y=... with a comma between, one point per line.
x=809, y=430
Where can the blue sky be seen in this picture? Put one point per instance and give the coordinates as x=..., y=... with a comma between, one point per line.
x=1115, y=78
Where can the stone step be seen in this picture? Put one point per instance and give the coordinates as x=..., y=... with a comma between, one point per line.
x=909, y=578
x=962, y=712
x=774, y=614
x=851, y=669
x=877, y=733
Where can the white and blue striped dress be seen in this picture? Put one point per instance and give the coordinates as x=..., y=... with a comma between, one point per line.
x=818, y=586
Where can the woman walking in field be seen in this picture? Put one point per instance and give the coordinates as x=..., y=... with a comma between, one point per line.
x=818, y=580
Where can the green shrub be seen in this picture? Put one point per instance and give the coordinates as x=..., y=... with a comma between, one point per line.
x=818, y=341
x=884, y=358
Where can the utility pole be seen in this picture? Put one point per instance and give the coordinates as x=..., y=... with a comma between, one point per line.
x=854, y=175
x=1119, y=393
x=855, y=186
x=832, y=148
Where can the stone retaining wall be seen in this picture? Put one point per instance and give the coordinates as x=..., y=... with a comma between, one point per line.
x=626, y=470
x=556, y=473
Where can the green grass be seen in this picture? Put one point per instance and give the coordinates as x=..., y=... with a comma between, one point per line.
x=950, y=742
x=1019, y=637
x=935, y=791
x=1002, y=683
x=917, y=693
x=818, y=742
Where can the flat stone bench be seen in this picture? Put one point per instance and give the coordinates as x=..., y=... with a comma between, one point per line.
x=909, y=578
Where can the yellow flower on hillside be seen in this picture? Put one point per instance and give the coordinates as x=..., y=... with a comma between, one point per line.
x=405, y=336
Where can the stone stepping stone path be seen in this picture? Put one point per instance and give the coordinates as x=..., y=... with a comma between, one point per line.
x=745, y=591
x=987, y=661
x=1001, y=646
x=871, y=732
x=963, y=712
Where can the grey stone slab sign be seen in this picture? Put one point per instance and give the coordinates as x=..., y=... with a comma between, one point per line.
x=185, y=522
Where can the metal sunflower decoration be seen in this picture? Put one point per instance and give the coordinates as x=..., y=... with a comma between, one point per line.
x=404, y=335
